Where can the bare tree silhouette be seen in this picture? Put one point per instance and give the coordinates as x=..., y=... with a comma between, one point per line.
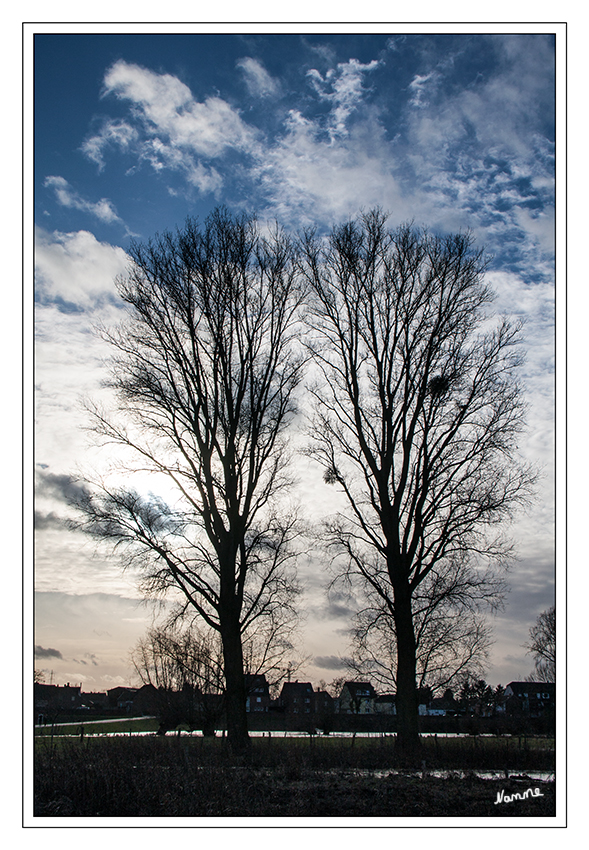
x=206, y=373
x=451, y=641
x=417, y=417
x=542, y=645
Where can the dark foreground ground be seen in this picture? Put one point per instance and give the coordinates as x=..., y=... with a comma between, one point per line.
x=155, y=778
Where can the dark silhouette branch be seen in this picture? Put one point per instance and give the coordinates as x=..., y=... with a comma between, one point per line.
x=417, y=422
x=206, y=370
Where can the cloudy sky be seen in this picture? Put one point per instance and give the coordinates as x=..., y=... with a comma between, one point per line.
x=135, y=132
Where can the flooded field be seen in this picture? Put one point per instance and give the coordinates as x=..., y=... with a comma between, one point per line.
x=189, y=776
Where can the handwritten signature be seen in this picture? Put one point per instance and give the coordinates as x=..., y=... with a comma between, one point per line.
x=509, y=798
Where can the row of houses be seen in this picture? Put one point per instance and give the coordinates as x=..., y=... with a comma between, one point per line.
x=532, y=699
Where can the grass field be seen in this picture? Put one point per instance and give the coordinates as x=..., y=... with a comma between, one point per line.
x=99, y=727
x=285, y=777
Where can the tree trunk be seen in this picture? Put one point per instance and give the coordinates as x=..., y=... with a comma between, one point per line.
x=235, y=691
x=407, y=745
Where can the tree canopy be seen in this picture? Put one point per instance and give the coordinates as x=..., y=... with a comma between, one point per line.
x=205, y=372
x=417, y=417
x=416, y=420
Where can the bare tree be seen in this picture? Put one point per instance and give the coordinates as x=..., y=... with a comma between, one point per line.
x=451, y=642
x=542, y=646
x=172, y=658
x=416, y=421
x=181, y=657
x=334, y=687
x=271, y=648
x=205, y=373
x=185, y=666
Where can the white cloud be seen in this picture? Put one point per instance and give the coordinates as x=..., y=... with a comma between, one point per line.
x=499, y=113
x=167, y=108
x=539, y=227
x=170, y=128
x=419, y=86
x=257, y=79
x=118, y=133
x=443, y=174
x=205, y=179
x=310, y=178
x=320, y=166
x=535, y=305
x=343, y=87
x=69, y=365
x=76, y=267
x=68, y=197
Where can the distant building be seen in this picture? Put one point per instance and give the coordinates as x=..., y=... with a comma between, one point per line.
x=297, y=698
x=323, y=703
x=424, y=698
x=121, y=698
x=445, y=706
x=357, y=698
x=258, y=692
x=147, y=700
x=437, y=708
x=385, y=704
x=533, y=699
x=96, y=700
x=49, y=699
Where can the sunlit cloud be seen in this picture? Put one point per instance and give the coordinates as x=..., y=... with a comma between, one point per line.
x=419, y=87
x=67, y=197
x=118, y=134
x=76, y=267
x=343, y=88
x=257, y=79
x=170, y=127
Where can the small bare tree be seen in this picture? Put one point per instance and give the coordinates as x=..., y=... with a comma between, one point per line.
x=416, y=421
x=185, y=666
x=181, y=658
x=172, y=658
x=450, y=643
x=205, y=372
x=542, y=646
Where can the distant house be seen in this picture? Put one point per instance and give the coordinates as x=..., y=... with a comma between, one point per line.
x=533, y=699
x=188, y=706
x=437, y=708
x=323, y=703
x=445, y=706
x=121, y=698
x=297, y=698
x=258, y=692
x=50, y=699
x=147, y=700
x=424, y=698
x=357, y=698
x=385, y=704
x=96, y=700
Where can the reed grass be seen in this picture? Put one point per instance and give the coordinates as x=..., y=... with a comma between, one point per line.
x=198, y=777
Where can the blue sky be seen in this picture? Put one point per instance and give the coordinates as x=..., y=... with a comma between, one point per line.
x=134, y=133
